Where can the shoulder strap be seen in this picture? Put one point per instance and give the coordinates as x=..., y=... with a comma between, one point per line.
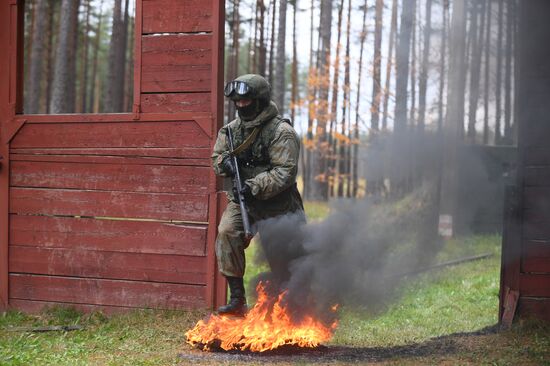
x=252, y=137
x=246, y=143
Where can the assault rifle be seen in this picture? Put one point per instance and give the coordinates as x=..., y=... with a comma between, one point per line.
x=238, y=186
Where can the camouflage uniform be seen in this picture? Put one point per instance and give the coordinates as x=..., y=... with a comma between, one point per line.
x=269, y=166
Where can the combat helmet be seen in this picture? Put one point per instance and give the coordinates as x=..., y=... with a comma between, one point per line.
x=249, y=86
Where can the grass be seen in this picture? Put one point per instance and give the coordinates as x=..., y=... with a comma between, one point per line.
x=444, y=303
x=462, y=298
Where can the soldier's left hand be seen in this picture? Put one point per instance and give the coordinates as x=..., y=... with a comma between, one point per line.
x=246, y=191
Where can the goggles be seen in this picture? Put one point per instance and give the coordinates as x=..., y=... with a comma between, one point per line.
x=239, y=87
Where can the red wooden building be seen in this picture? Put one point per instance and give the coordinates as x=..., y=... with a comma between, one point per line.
x=117, y=211
x=526, y=244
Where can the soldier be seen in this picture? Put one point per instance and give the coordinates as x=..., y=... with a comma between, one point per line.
x=267, y=148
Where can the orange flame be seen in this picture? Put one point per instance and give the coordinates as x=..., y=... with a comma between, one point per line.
x=267, y=326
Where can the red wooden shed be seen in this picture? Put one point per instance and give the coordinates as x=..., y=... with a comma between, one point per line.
x=117, y=211
x=525, y=285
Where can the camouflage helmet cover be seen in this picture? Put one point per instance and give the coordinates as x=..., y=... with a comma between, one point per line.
x=259, y=87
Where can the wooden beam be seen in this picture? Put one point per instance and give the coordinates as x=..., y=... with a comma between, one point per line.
x=5, y=112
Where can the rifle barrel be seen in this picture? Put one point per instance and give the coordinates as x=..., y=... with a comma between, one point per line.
x=239, y=185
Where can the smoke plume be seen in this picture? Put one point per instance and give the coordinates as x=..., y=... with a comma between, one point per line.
x=357, y=255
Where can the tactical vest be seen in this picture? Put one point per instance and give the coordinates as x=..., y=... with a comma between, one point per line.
x=255, y=160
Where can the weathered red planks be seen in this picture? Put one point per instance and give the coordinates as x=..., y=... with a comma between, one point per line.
x=141, y=135
x=534, y=307
x=160, y=16
x=537, y=199
x=536, y=120
x=185, y=152
x=536, y=230
x=109, y=265
x=175, y=102
x=536, y=156
x=7, y=106
x=111, y=177
x=36, y=307
x=177, y=49
x=176, y=63
x=175, y=78
x=100, y=159
x=534, y=285
x=112, y=235
x=160, y=206
x=538, y=176
x=536, y=257
x=105, y=292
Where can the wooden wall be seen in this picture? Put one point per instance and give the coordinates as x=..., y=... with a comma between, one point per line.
x=119, y=211
x=526, y=252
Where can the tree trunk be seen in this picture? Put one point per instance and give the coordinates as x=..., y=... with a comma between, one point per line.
x=423, y=83
x=376, y=66
x=400, y=164
x=344, y=143
x=94, y=77
x=64, y=61
x=261, y=44
x=332, y=157
x=73, y=49
x=29, y=11
x=412, y=107
x=454, y=122
x=498, y=86
x=50, y=54
x=374, y=182
x=279, y=83
x=84, y=62
x=112, y=93
x=272, y=42
x=475, y=71
x=36, y=57
x=443, y=67
x=233, y=56
x=487, y=74
x=390, y=63
x=129, y=78
x=294, y=89
x=319, y=188
x=508, y=140
x=363, y=37
x=312, y=106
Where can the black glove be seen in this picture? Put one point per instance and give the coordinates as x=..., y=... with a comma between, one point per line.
x=246, y=191
x=227, y=166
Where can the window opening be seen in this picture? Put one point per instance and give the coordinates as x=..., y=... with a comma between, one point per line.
x=78, y=56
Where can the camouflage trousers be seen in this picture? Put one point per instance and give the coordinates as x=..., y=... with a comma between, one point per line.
x=231, y=241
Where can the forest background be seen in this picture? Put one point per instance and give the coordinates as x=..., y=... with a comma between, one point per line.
x=383, y=92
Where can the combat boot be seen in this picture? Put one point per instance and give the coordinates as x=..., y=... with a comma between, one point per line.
x=237, y=302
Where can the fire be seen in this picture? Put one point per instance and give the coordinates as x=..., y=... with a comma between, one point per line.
x=266, y=326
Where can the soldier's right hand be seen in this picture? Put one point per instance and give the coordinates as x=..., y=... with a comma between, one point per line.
x=227, y=166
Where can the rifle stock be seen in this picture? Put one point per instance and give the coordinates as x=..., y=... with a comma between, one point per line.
x=238, y=184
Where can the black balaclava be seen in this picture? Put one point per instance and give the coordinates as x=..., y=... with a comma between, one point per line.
x=251, y=111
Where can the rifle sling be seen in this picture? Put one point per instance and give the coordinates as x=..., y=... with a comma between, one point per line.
x=247, y=142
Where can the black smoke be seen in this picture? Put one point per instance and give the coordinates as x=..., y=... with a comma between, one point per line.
x=358, y=255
